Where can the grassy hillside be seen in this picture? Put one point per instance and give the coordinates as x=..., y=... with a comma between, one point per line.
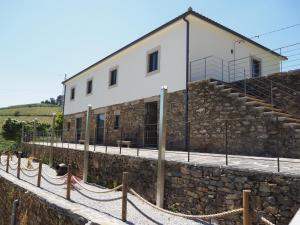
x=42, y=112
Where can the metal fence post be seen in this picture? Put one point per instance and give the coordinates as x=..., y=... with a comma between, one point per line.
x=52, y=140
x=95, y=130
x=39, y=173
x=86, y=144
x=188, y=146
x=205, y=69
x=222, y=70
x=124, y=196
x=246, y=208
x=245, y=83
x=271, y=93
x=7, y=162
x=19, y=165
x=226, y=141
x=22, y=132
x=138, y=142
x=162, y=147
x=277, y=144
x=68, y=194
x=121, y=130
x=34, y=131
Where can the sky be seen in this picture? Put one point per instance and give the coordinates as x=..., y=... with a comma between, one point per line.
x=42, y=41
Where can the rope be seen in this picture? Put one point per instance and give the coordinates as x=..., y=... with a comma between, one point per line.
x=3, y=164
x=98, y=192
x=12, y=167
x=50, y=182
x=210, y=216
x=27, y=169
x=28, y=175
x=95, y=199
x=265, y=221
x=54, y=177
x=13, y=163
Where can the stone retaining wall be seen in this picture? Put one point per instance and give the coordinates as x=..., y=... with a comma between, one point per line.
x=191, y=188
x=32, y=209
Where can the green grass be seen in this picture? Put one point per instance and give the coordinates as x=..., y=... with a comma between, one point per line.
x=30, y=110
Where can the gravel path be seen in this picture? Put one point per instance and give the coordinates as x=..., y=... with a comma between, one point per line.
x=138, y=212
x=267, y=164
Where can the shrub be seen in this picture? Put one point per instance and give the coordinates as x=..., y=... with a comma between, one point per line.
x=11, y=129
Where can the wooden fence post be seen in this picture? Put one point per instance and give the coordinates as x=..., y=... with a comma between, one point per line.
x=39, y=173
x=7, y=162
x=246, y=208
x=68, y=195
x=124, y=196
x=19, y=165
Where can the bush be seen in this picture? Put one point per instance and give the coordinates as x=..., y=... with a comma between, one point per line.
x=17, y=113
x=11, y=129
x=59, y=121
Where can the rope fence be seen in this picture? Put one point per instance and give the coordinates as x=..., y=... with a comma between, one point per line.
x=72, y=182
x=197, y=217
x=265, y=221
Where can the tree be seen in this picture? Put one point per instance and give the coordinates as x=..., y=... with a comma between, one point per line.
x=59, y=121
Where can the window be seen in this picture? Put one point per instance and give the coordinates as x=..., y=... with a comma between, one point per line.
x=117, y=122
x=255, y=67
x=89, y=87
x=68, y=126
x=73, y=93
x=153, y=61
x=113, y=77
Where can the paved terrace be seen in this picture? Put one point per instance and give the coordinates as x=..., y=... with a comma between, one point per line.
x=287, y=165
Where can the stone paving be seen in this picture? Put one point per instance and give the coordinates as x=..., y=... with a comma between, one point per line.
x=286, y=165
x=98, y=208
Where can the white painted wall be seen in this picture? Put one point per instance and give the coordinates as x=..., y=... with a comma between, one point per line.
x=209, y=40
x=133, y=83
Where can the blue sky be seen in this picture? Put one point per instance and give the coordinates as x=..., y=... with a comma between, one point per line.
x=41, y=41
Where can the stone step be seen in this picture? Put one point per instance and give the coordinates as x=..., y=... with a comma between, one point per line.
x=248, y=98
x=213, y=82
x=220, y=86
x=279, y=114
x=267, y=109
x=226, y=90
x=258, y=103
x=286, y=119
x=234, y=94
x=292, y=125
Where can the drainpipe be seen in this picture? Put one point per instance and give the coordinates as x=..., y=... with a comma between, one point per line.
x=13, y=213
x=186, y=96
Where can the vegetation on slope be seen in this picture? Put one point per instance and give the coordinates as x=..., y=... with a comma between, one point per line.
x=27, y=113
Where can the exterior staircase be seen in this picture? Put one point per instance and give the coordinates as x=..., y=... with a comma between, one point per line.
x=274, y=112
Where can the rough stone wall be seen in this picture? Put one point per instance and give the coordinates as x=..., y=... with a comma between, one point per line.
x=32, y=210
x=249, y=131
x=192, y=188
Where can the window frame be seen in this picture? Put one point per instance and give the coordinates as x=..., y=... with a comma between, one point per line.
x=115, y=68
x=87, y=86
x=251, y=65
x=71, y=90
x=149, y=52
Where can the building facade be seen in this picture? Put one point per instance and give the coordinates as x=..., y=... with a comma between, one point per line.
x=123, y=87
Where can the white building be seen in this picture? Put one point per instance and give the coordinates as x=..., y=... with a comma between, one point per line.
x=190, y=47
